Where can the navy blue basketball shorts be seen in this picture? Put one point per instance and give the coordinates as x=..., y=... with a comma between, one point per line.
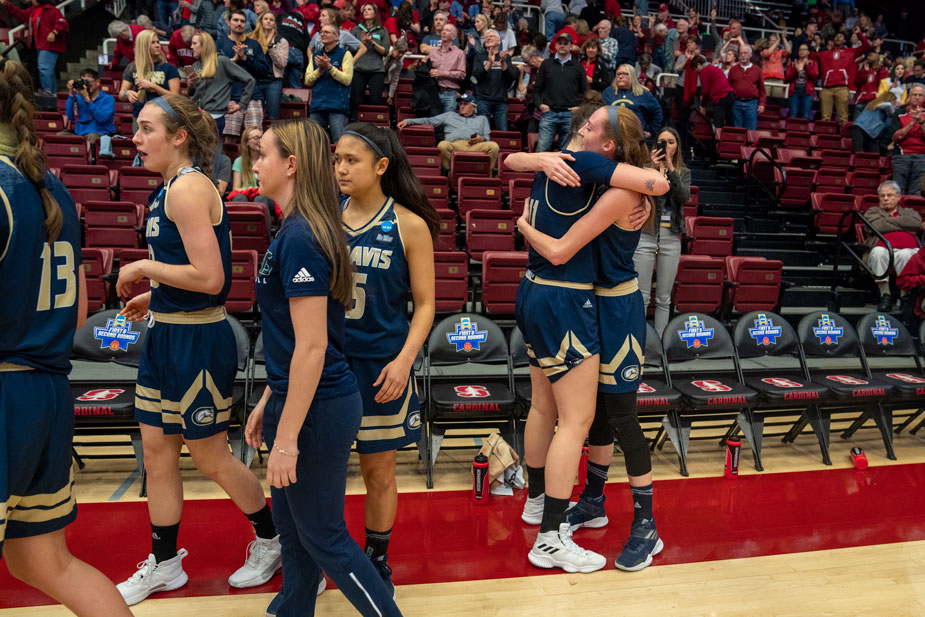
x=36, y=467
x=385, y=426
x=559, y=324
x=186, y=376
x=621, y=317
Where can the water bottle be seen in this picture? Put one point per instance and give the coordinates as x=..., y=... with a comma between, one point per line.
x=480, y=487
x=731, y=470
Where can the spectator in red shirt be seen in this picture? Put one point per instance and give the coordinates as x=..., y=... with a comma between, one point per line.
x=662, y=17
x=125, y=42
x=715, y=91
x=802, y=74
x=179, y=52
x=867, y=81
x=748, y=84
x=346, y=14
x=909, y=138
x=838, y=68
x=47, y=30
x=900, y=226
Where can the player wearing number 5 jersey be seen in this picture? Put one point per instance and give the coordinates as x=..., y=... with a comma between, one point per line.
x=189, y=357
x=390, y=228
x=44, y=301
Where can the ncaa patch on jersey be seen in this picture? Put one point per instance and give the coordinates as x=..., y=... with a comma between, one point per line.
x=386, y=226
x=204, y=416
x=414, y=420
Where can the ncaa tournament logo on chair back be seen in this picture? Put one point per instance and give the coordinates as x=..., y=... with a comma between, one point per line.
x=827, y=332
x=764, y=332
x=467, y=336
x=116, y=335
x=883, y=332
x=695, y=335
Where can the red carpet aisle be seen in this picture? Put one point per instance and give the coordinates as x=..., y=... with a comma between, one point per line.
x=441, y=536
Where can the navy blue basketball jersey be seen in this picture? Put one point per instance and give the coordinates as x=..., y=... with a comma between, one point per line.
x=166, y=246
x=38, y=279
x=296, y=267
x=555, y=208
x=377, y=325
x=613, y=255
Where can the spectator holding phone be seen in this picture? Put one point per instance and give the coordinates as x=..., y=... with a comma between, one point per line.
x=210, y=81
x=659, y=249
x=150, y=75
x=463, y=129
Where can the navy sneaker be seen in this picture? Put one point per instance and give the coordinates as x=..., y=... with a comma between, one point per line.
x=587, y=512
x=382, y=567
x=640, y=547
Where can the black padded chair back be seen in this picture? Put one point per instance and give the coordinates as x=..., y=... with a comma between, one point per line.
x=519, y=348
x=825, y=333
x=259, y=356
x=763, y=333
x=102, y=339
x=694, y=336
x=883, y=335
x=653, y=347
x=467, y=337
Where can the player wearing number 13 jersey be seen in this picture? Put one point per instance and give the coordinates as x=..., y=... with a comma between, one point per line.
x=44, y=300
x=390, y=227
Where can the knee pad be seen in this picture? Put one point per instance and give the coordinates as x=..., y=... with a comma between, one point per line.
x=621, y=412
x=600, y=433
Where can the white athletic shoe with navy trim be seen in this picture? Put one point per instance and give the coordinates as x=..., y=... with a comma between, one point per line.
x=264, y=559
x=556, y=549
x=533, y=510
x=153, y=577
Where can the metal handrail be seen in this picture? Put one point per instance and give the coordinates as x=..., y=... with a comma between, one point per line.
x=856, y=217
x=748, y=176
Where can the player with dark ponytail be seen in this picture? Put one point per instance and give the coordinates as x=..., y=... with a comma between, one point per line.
x=390, y=228
x=44, y=300
x=189, y=359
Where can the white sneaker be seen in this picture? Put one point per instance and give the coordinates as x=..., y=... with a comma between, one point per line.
x=533, y=510
x=152, y=577
x=264, y=559
x=556, y=549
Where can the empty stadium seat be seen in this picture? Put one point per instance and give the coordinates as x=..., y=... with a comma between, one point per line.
x=729, y=142
x=501, y=274
x=242, y=294
x=830, y=207
x=799, y=187
x=249, y=223
x=48, y=126
x=137, y=183
x=469, y=164
x=710, y=235
x=117, y=224
x=835, y=159
x=754, y=283
x=865, y=161
x=123, y=154
x=417, y=135
x=796, y=125
x=829, y=142
x=864, y=182
x=292, y=110
x=64, y=150
x=374, y=114
x=798, y=140
x=508, y=141
x=446, y=240
x=97, y=263
x=518, y=193
x=437, y=189
x=478, y=194
x=829, y=180
x=489, y=230
x=698, y=284
x=825, y=127
x=86, y=182
x=505, y=174
x=127, y=256
x=451, y=270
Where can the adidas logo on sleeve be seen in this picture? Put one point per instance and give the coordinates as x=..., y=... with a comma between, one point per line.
x=303, y=277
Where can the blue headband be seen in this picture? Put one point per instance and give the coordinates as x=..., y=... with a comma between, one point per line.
x=368, y=141
x=613, y=114
x=163, y=104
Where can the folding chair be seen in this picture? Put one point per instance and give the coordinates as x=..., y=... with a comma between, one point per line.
x=465, y=400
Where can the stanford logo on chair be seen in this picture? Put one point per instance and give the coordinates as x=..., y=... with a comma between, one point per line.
x=764, y=332
x=696, y=335
x=827, y=332
x=883, y=332
x=99, y=395
x=467, y=336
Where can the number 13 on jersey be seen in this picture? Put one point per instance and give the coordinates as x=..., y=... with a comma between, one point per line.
x=61, y=256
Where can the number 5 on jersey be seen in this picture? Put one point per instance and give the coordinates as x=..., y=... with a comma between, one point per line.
x=359, y=297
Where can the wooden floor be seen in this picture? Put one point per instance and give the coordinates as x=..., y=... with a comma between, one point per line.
x=879, y=581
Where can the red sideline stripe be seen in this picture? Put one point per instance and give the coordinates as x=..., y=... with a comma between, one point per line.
x=442, y=536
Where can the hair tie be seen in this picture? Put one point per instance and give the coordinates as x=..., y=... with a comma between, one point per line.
x=163, y=104
x=40, y=185
x=368, y=141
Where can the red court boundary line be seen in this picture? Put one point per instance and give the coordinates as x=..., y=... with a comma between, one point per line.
x=440, y=536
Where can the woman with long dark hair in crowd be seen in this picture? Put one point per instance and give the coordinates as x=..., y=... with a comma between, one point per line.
x=210, y=78
x=369, y=69
x=310, y=411
x=387, y=212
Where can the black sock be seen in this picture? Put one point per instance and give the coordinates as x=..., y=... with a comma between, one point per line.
x=553, y=513
x=642, y=503
x=377, y=543
x=597, y=476
x=536, y=481
x=164, y=541
x=262, y=520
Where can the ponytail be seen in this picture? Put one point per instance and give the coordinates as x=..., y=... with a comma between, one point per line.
x=399, y=181
x=17, y=111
